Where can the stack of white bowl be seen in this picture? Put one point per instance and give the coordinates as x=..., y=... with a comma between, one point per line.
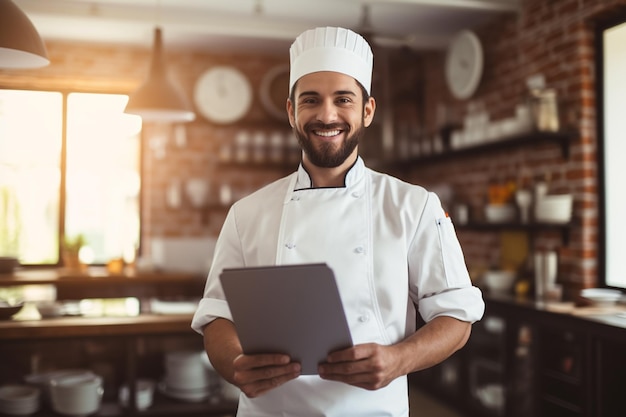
x=19, y=400
x=76, y=394
x=186, y=376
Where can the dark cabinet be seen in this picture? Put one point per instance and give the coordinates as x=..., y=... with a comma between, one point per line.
x=523, y=360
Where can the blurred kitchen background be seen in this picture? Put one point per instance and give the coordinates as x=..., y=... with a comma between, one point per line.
x=509, y=109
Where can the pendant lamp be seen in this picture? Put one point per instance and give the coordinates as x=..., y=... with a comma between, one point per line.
x=20, y=43
x=158, y=99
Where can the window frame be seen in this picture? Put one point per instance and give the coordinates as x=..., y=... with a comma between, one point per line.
x=65, y=93
x=601, y=26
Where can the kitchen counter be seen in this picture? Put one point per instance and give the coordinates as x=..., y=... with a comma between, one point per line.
x=92, y=275
x=144, y=324
x=605, y=321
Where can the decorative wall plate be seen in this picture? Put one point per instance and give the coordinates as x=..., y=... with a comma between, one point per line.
x=274, y=91
x=464, y=64
x=223, y=94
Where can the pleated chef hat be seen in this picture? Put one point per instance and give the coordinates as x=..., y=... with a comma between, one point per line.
x=331, y=49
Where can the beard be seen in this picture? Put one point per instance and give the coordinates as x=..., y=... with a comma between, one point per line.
x=326, y=154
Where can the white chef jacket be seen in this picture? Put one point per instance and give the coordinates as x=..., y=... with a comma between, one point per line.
x=391, y=247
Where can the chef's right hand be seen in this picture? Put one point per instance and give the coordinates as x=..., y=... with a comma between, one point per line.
x=258, y=374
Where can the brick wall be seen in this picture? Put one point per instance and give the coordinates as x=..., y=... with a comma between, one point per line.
x=554, y=38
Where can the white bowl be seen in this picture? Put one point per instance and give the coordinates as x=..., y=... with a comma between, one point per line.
x=19, y=399
x=49, y=309
x=500, y=213
x=499, y=281
x=554, y=208
x=601, y=296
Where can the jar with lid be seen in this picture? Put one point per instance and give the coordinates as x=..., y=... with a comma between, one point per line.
x=544, y=108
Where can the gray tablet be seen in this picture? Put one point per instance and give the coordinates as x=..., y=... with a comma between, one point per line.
x=292, y=309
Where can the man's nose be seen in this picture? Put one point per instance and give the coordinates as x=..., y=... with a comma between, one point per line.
x=327, y=112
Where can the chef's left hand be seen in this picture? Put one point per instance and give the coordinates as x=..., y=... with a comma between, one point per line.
x=369, y=366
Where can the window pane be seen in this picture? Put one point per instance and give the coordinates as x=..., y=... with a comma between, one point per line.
x=614, y=151
x=103, y=175
x=30, y=160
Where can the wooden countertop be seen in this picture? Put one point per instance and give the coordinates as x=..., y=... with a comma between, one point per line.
x=608, y=321
x=144, y=324
x=94, y=275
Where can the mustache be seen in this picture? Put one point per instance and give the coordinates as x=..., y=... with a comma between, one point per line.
x=323, y=126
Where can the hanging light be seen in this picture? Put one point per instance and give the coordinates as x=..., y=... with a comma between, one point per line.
x=158, y=99
x=20, y=43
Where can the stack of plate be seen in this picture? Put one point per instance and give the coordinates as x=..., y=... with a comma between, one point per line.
x=19, y=400
x=186, y=376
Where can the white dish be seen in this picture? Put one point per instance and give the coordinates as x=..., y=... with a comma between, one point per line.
x=601, y=296
x=184, y=395
x=19, y=399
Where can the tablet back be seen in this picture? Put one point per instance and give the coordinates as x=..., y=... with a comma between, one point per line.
x=292, y=309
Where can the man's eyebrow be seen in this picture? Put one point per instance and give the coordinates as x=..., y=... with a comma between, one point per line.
x=336, y=93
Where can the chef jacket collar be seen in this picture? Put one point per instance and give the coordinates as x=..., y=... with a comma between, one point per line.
x=353, y=176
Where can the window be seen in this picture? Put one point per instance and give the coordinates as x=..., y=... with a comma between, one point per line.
x=612, y=150
x=69, y=166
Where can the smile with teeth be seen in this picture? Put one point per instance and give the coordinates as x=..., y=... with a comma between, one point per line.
x=327, y=133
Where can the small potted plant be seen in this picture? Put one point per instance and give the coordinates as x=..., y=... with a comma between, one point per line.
x=70, y=249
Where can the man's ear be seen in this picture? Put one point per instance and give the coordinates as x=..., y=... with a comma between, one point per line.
x=368, y=111
x=290, y=113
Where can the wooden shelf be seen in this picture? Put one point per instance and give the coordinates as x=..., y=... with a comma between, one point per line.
x=562, y=138
x=563, y=229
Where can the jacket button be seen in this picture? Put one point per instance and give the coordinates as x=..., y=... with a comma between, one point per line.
x=290, y=245
x=364, y=318
x=356, y=194
x=295, y=198
x=359, y=249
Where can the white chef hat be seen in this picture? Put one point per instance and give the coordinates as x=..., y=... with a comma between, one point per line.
x=331, y=49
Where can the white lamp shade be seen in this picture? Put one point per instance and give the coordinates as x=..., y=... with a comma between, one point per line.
x=20, y=43
x=158, y=99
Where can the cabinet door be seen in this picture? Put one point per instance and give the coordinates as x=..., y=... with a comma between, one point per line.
x=562, y=373
x=610, y=369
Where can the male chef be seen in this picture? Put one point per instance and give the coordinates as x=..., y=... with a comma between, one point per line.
x=390, y=244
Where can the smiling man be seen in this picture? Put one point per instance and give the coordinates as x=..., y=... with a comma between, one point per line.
x=391, y=246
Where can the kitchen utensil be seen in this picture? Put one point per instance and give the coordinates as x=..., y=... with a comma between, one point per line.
x=544, y=109
x=524, y=199
x=42, y=380
x=76, y=395
x=144, y=393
